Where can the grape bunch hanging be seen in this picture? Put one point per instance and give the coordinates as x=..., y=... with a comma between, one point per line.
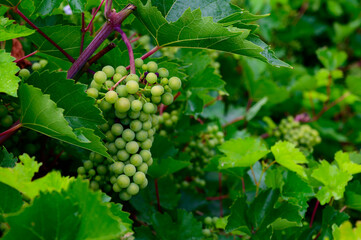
x=129, y=103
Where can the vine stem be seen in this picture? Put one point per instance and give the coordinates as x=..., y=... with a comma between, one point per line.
x=220, y=194
x=115, y=85
x=95, y=13
x=101, y=53
x=129, y=47
x=6, y=134
x=314, y=213
x=29, y=55
x=157, y=193
x=70, y=58
x=148, y=54
x=217, y=198
x=240, y=118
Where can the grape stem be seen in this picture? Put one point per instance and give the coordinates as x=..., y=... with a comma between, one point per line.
x=129, y=47
x=29, y=55
x=95, y=13
x=314, y=213
x=6, y=134
x=70, y=58
x=157, y=193
x=115, y=85
x=148, y=54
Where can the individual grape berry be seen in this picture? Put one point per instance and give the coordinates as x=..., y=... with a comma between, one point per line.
x=132, y=87
x=146, y=145
x=131, y=77
x=116, y=188
x=109, y=71
x=129, y=170
x=118, y=167
x=112, y=148
x=138, y=62
x=175, y=83
x=157, y=90
x=136, y=160
x=152, y=66
x=122, y=91
x=117, y=129
x=109, y=136
x=105, y=106
x=144, y=184
x=122, y=104
x=167, y=98
x=95, y=85
x=128, y=135
x=36, y=66
x=6, y=121
x=122, y=155
x=43, y=63
x=141, y=136
x=136, y=125
x=163, y=72
x=145, y=154
x=119, y=143
x=149, y=162
x=143, y=168
x=148, y=108
x=100, y=77
x=147, y=125
x=133, y=189
x=136, y=105
x=144, y=67
x=121, y=70
x=157, y=99
x=131, y=98
x=92, y=172
x=94, y=185
x=134, y=115
x=125, y=196
x=101, y=170
x=117, y=77
x=24, y=73
x=206, y=232
x=92, y=92
x=123, y=181
x=164, y=81
x=108, y=84
x=144, y=116
x=208, y=221
x=151, y=78
x=139, y=178
x=111, y=97
x=132, y=147
x=81, y=170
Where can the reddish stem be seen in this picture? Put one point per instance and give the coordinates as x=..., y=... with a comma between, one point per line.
x=108, y=7
x=82, y=32
x=132, y=36
x=217, y=198
x=94, y=14
x=6, y=134
x=29, y=55
x=220, y=194
x=332, y=104
x=70, y=58
x=129, y=47
x=134, y=40
x=343, y=208
x=240, y=118
x=101, y=53
x=148, y=54
x=157, y=193
x=115, y=85
x=243, y=185
x=314, y=213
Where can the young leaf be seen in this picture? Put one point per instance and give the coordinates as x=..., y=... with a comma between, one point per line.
x=287, y=155
x=333, y=179
x=331, y=58
x=345, y=231
x=345, y=164
x=9, y=30
x=242, y=152
x=7, y=159
x=8, y=69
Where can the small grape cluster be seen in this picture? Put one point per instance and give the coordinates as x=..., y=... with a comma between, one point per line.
x=129, y=103
x=210, y=231
x=168, y=120
x=37, y=66
x=302, y=135
x=6, y=115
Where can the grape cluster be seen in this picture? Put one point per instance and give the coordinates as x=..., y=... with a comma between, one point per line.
x=301, y=135
x=168, y=120
x=37, y=66
x=209, y=232
x=129, y=102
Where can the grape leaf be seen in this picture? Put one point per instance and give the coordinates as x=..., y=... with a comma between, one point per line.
x=164, y=166
x=7, y=159
x=353, y=195
x=79, y=108
x=331, y=217
x=333, y=180
x=353, y=85
x=345, y=164
x=9, y=30
x=287, y=155
x=10, y=201
x=41, y=114
x=10, y=3
x=46, y=7
x=192, y=30
x=123, y=217
x=238, y=219
x=331, y=58
x=241, y=152
x=184, y=226
x=346, y=232
x=252, y=112
x=8, y=69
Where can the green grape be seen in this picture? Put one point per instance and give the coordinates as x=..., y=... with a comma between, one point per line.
x=151, y=132
x=143, y=168
x=132, y=147
x=147, y=125
x=116, y=188
x=144, y=67
x=36, y=66
x=122, y=91
x=123, y=181
x=141, y=136
x=121, y=70
x=111, y=97
x=43, y=63
x=122, y=104
x=112, y=148
x=157, y=90
x=152, y=66
x=208, y=220
x=119, y=143
x=139, y=178
x=164, y=81
x=117, y=129
x=125, y=196
x=145, y=154
x=108, y=84
x=95, y=85
x=134, y=115
x=125, y=121
x=132, y=77
x=117, y=77
x=138, y=62
x=144, y=184
x=144, y=116
x=157, y=99
x=122, y=155
x=128, y=135
x=131, y=98
x=148, y=108
x=206, y=232
x=94, y=185
x=105, y=106
x=7, y=121
x=92, y=172
x=24, y=73
x=136, y=160
x=151, y=78
x=129, y=170
x=146, y=145
x=133, y=189
x=175, y=83
x=81, y=170
x=92, y=92
x=167, y=98
x=132, y=87
x=109, y=71
x=102, y=170
x=163, y=72
x=109, y=136
x=149, y=162
x=100, y=77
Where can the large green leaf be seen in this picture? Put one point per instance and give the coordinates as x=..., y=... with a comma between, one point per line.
x=9, y=30
x=353, y=195
x=192, y=30
x=331, y=217
x=10, y=201
x=165, y=166
x=345, y=164
x=79, y=108
x=8, y=69
x=242, y=152
x=346, y=232
x=40, y=113
x=46, y=7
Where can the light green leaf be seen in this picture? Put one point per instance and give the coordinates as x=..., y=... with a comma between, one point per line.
x=345, y=164
x=8, y=69
x=252, y=112
x=333, y=180
x=287, y=155
x=354, y=84
x=331, y=58
x=241, y=152
x=346, y=232
x=9, y=30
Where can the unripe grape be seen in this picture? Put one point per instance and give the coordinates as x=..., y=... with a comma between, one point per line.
x=109, y=136
x=144, y=184
x=95, y=85
x=136, y=160
x=102, y=170
x=175, y=83
x=136, y=105
x=108, y=84
x=36, y=66
x=156, y=99
x=113, y=179
x=123, y=181
x=92, y=92
x=144, y=67
x=206, y=232
x=132, y=87
x=134, y=115
x=163, y=72
x=146, y=155
x=141, y=136
x=139, y=178
x=150, y=162
x=151, y=78
x=81, y=171
x=152, y=66
x=116, y=188
x=117, y=77
x=147, y=125
x=122, y=104
x=132, y=147
x=117, y=129
x=148, y=108
x=112, y=148
x=43, y=63
x=92, y=172
x=122, y=155
x=125, y=121
x=157, y=90
x=121, y=70
x=100, y=77
x=144, y=116
x=131, y=77
x=167, y=98
x=105, y=106
x=6, y=121
x=120, y=143
x=108, y=70
x=143, y=168
x=208, y=220
x=122, y=91
x=118, y=167
x=129, y=170
x=138, y=62
x=121, y=115
x=125, y=196
x=111, y=97
x=146, y=145
x=135, y=125
x=94, y=185
x=164, y=81
x=128, y=135
x=133, y=189
x=131, y=98
x=24, y=73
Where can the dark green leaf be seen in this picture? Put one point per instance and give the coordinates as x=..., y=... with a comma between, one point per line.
x=353, y=195
x=331, y=58
x=331, y=216
x=165, y=166
x=10, y=201
x=8, y=69
x=7, y=159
